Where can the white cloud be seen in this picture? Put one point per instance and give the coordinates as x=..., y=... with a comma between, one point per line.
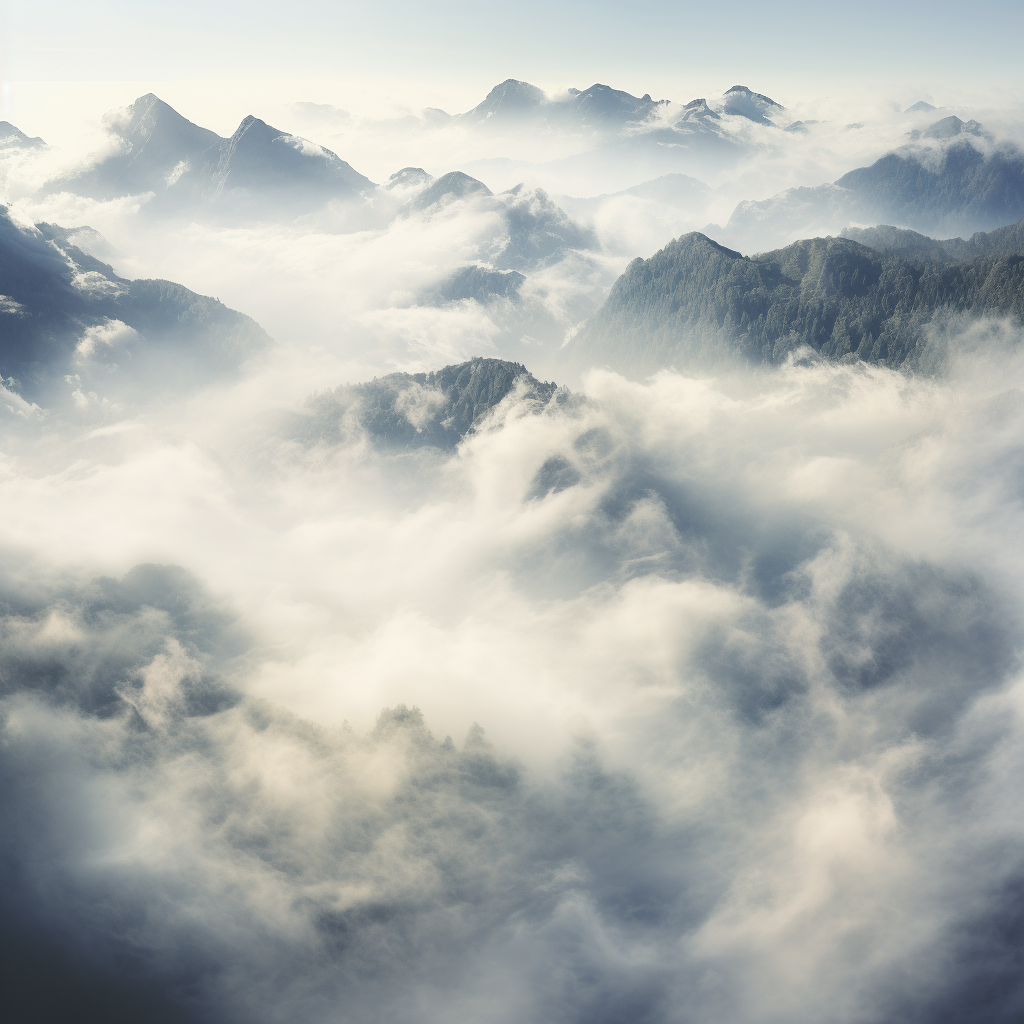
x=110, y=334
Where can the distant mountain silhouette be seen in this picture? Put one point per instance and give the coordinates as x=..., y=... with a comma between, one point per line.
x=1005, y=241
x=478, y=283
x=964, y=187
x=260, y=171
x=698, y=303
x=64, y=312
x=408, y=178
x=448, y=188
x=15, y=138
x=515, y=104
x=752, y=105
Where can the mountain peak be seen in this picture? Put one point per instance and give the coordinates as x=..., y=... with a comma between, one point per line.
x=698, y=109
x=251, y=121
x=450, y=187
x=506, y=101
x=15, y=138
x=754, y=106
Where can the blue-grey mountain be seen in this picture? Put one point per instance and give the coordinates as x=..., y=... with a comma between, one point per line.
x=259, y=172
x=415, y=410
x=698, y=303
x=14, y=138
x=65, y=313
x=960, y=183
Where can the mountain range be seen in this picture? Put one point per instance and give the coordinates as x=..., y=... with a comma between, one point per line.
x=698, y=303
x=259, y=171
x=65, y=314
x=884, y=238
x=952, y=180
x=601, y=109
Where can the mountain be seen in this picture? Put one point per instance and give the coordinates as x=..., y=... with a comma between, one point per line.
x=260, y=171
x=535, y=229
x=600, y=106
x=476, y=282
x=66, y=314
x=14, y=138
x=260, y=164
x=958, y=184
x=449, y=188
x=919, y=107
x=414, y=410
x=508, y=103
x=514, y=104
x=754, y=106
x=949, y=128
x=408, y=178
x=698, y=303
x=602, y=109
x=538, y=231
x=627, y=138
x=1005, y=241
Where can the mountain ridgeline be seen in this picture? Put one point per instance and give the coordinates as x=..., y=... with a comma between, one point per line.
x=65, y=314
x=697, y=303
x=419, y=410
x=952, y=179
x=260, y=171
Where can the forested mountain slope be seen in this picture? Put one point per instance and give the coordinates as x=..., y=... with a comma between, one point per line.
x=65, y=313
x=698, y=303
x=412, y=410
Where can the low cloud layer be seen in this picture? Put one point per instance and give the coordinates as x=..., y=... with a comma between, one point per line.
x=730, y=670
x=679, y=701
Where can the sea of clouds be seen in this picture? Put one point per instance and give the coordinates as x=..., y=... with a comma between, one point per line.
x=679, y=701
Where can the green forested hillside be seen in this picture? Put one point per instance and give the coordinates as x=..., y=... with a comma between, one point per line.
x=413, y=410
x=698, y=303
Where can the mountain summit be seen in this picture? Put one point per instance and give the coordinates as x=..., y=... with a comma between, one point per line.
x=260, y=171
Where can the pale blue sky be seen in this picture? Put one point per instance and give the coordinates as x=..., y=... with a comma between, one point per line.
x=468, y=45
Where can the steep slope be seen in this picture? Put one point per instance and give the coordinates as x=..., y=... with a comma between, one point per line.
x=534, y=229
x=260, y=171
x=513, y=104
x=601, y=107
x=15, y=138
x=698, y=303
x=260, y=164
x=66, y=314
x=449, y=188
x=414, y=410
x=509, y=103
x=157, y=148
x=1005, y=241
x=754, y=106
x=957, y=184
x=475, y=282
x=538, y=230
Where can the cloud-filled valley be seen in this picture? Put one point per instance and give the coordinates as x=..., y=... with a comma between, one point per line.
x=588, y=597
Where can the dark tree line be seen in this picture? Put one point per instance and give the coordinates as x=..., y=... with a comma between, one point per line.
x=697, y=302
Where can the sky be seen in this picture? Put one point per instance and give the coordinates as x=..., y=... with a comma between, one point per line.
x=448, y=54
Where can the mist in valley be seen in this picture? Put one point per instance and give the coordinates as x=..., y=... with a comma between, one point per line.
x=430, y=592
